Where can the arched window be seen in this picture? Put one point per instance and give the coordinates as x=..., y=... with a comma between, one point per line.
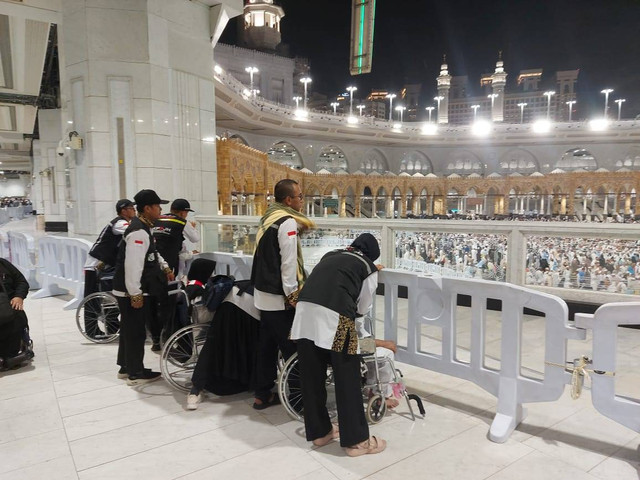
x=374, y=161
x=285, y=154
x=331, y=158
x=577, y=158
x=518, y=161
x=415, y=162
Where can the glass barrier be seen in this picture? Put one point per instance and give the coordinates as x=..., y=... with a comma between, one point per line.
x=591, y=264
x=576, y=261
x=322, y=240
x=469, y=255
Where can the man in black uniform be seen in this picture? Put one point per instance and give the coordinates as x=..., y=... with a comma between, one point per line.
x=104, y=251
x=102, y=259
x=170, y=232
x=141, y=275
x=172, y=229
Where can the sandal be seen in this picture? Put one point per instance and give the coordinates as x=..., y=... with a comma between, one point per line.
x=332, y=435
x=373, y=445
x=273, y=400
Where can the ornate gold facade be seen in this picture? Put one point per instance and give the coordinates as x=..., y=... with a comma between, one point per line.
x=246, y=178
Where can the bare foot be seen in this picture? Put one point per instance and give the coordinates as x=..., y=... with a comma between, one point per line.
x=392, y=402
x=333, y=434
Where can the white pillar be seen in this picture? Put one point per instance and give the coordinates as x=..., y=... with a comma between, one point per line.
x=137, y=85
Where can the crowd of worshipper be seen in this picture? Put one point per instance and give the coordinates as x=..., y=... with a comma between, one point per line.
x=14, y=201
x=609, y=265
x=578, y=218
x=479, y=256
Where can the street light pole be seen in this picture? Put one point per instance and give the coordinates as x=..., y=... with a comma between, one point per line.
x=571, y=103
x=297, y=100
x=351, y=90
x=335, y=106
x=360, y=108
x=401, y=110
x=429, y=109
x=522, y=105
x=549, y=94
x=305, y=81
x=606, y=92
x=391, y=96
x=438, y=99
x=620, y=101
x=251, y=71
x=475, y=112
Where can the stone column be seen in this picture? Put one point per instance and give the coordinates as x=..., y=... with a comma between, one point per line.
x=627, y=204
x=136, y=85
x=403, y=206
x=357, y=200
x=342, y=207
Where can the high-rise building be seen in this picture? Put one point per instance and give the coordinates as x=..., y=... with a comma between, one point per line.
x=527, y=101
x=410, y=95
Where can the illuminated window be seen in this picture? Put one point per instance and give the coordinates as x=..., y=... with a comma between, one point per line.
x=258, y=19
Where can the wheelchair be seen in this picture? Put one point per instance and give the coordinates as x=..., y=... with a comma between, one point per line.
x=236, y=316
x=24, y=355
x=98, y=315
x=372, y=387
x=181, y=351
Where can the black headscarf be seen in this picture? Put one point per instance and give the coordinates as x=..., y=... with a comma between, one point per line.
x=368, y=245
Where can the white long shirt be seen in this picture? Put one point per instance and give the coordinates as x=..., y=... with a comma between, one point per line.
x=320, y=324
x=288, y=243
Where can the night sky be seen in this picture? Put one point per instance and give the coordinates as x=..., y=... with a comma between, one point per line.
x=601, y=38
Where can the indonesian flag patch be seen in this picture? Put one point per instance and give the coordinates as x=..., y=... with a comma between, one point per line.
x=292, y=233
x=139, y=242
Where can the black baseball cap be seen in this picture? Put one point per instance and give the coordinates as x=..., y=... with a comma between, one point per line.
x=181, y=205
x=148, y=197
x=123, y=203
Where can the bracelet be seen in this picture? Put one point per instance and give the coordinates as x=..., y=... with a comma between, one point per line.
x=167, y=270
x=136, y=298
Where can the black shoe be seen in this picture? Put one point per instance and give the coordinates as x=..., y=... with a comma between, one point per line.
x=156, y=347
x=147, y=376
x=273, y=400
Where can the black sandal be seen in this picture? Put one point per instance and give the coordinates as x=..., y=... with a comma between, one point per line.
x=274, y=400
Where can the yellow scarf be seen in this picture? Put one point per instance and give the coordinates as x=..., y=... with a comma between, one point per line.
x=274, y=213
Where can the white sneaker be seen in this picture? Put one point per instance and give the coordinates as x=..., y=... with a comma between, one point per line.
x=193, y=401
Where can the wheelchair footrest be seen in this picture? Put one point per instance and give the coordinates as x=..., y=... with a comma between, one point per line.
x=418, y=400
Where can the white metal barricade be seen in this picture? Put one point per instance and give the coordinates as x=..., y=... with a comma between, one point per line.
x=433, y=300
x=23, y=256
x=604, y=323
x=61, y=268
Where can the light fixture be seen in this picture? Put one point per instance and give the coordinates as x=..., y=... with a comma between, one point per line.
x=429, y=128
x=481, y=128
x=599, y=124
x=352, y=120
x=541, y=126
x=217, y=69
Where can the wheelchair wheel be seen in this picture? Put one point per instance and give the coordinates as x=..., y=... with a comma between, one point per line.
x=376, y=409
x=98, y=317
x=180, y=355
x=290, y=392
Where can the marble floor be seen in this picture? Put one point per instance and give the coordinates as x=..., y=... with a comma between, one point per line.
x=67, y=416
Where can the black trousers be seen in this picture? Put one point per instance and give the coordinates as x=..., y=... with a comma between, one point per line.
x=132, y=334
x=313, y=363
x=274, y=334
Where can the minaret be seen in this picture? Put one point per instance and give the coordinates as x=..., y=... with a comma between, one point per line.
x=444, y=84
x=498, y=82
x=261, y=25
